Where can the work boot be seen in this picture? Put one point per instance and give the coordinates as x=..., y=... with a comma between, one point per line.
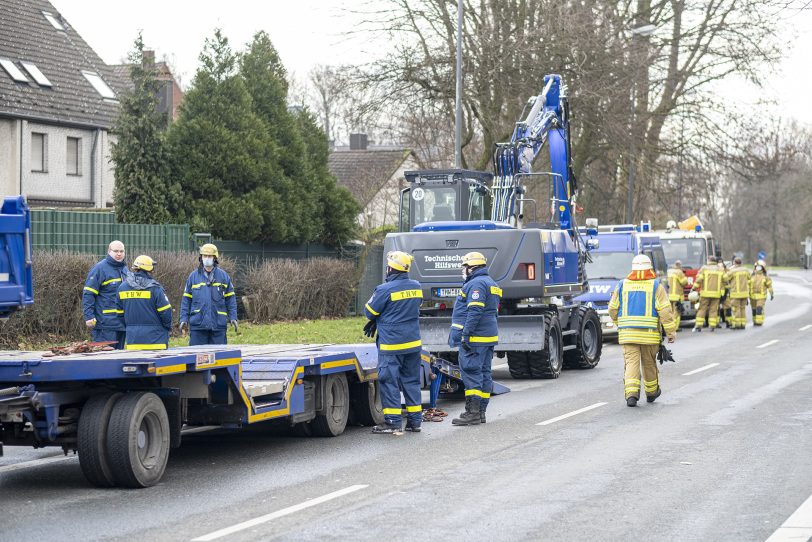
x=712, y=329
x=483, y=406
x=387, y=429
x=414, y=427
x=652, y=398
x=471, y=414
x=631, y=401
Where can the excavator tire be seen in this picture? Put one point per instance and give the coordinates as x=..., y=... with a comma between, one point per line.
x=588, y=341
x=546, y=363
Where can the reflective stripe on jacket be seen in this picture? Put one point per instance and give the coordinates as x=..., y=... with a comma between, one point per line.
x=639, y=307
x=738, y=280
x=481, y=297
x=99, y=293
x=208, y=301
x=711, y=280
x=147, y=312
x=759, y=285
x=395, y=306
x=676, y=284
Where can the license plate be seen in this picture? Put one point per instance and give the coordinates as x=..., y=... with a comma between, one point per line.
x=447, y=292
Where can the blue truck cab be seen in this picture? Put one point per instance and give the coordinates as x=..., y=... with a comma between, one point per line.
x=611, y=261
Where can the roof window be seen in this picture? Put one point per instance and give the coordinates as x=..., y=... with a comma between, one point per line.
x=56, y=23
x=34, y=72
x=99, y=84
x=13, y=70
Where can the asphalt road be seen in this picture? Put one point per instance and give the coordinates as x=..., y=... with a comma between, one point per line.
x=724, y=454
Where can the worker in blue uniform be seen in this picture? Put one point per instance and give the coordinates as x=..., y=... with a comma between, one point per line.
x=474, y=330
x=208, y=304
x=393, y=310
x=99, y=296
x=145, y=307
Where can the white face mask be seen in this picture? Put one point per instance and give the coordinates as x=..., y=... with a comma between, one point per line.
x=208, y=261
x=464, y=273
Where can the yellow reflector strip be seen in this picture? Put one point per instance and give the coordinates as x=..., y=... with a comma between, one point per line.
x=164, y=308
x=472, y=339
x=401, y=345
x=145, y=347
x=406, y=294
x=89, y=289
x=391, y=411
x=106, y=282
x=496, y=290
x=370, y=309
x=135, y=294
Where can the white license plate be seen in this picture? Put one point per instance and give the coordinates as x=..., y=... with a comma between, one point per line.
x=448, y=292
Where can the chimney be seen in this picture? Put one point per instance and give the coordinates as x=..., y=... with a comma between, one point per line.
x=358, y=142
x=148, y=58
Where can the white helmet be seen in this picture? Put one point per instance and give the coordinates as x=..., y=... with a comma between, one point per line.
x=641, y=262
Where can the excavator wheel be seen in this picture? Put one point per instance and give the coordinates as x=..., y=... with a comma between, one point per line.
x=588, y=341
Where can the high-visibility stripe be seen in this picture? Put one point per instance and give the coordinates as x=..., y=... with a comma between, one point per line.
x=457, y=326
x=632, y=381
x=370, y=309
x=160, y=309
x=160, y=346
x=462, y=294
x=477, y=393
x=494, y=338
x=228, y=294
x=112, y=311
x=496, y=290
x=219, y=284
x=187, y=295
x=135, y=294
x=106, y=282
x=476, y=304
x=400, y=346
x=89, y=289
x=223, y=313
x=406, y=294
x=392, y=411
x=416, y=408
x=198, y=285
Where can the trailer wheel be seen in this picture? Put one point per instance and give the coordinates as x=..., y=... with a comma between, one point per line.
x=336, y=403
x=138, y=440
x=92, y=439
x=366, y=408
x=547, y=363
x=588, y=340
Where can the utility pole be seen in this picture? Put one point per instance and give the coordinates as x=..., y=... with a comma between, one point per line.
x=458, y=116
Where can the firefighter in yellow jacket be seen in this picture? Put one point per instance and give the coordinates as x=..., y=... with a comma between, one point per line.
x=738, y=280
x=760, y=284
x=677, y=281
x=710, y=280
x=639, y=306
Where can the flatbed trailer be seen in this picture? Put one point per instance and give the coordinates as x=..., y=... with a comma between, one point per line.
x=122, y=411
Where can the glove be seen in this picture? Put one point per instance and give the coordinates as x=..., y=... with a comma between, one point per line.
x=664, y=354
x=234, y=323
x=465, y=345
x=183, y=326
x=91, y=322
x=371, y=328
x=772, y=296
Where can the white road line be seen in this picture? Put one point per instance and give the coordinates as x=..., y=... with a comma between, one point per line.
x=798, y=527
x=768, y=343
x=500, y=366
x=278, y=514
x=704, y=368
x=35, y=463
x=807, y=326
x=569, y=414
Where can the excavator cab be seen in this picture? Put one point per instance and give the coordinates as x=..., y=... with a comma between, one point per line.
x=438, y=197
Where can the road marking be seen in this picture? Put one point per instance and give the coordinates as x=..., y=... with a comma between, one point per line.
x=34, y=463
x=278, y=514
x=798, y=526
x=704, y=368
x=807, y=326
x=768, y=343
x=570, y=414
x=500, y=366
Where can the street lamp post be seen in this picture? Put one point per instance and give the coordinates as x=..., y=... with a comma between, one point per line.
x=458, y=114
x=642, y=31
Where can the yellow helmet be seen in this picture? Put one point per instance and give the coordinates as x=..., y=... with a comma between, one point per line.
x=473, y=259
x=143, y=262
x=399, y=260
x=209, y=250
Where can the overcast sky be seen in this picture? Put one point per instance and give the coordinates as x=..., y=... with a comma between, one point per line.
x=309, y=32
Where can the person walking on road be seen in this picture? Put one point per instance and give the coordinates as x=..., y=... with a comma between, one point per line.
x=639, y=306
x=475, y=331
x=393, y=311
x=760, y=284
x=145, y=307
x=710, y=281
x=738, y=280
x=208, y=304
x=99, y=296
x=677, y=281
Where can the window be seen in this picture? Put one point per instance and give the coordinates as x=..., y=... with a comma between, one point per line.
x=56, y=23
x=434, y=203
x=39, y=151
x=99, y=84
x=13, y=70
x=38, y=76
x=74, y=151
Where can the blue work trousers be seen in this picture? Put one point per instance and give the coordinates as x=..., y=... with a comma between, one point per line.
x=104, y=335
x=207, y=336
x=396, y=373
x=475, y=364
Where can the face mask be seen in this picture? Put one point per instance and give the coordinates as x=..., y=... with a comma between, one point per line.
x=208, y=261
x=759, y=269
x=464, y=273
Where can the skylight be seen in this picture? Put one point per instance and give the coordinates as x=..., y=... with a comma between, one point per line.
x=99, y=84
x=54, y=21
x=38, y=76
x=13, y=70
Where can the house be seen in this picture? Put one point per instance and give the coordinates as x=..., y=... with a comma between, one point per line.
x=58, y=102
x=374, y=176
x=170, y=93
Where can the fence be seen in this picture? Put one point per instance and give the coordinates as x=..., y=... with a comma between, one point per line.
x=371, y=276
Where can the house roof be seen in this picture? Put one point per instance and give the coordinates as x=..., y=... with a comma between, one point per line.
x=61, y=56
x=365, y=172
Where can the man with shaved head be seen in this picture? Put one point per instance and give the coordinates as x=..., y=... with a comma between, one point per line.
x=99, y=296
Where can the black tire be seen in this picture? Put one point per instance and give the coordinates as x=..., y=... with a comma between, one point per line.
x=588, y=340
x=332, y=421
x=548, y=362
x=518, y=365
x=366, y=408
x=138, y=440
x=302, y=429
x=174, y=413
x=92, y=439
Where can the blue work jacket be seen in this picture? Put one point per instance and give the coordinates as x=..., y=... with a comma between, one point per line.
x=473, y=319
x=99, y=294
x=395, y=306
x=208, y=301
x=147, y=312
